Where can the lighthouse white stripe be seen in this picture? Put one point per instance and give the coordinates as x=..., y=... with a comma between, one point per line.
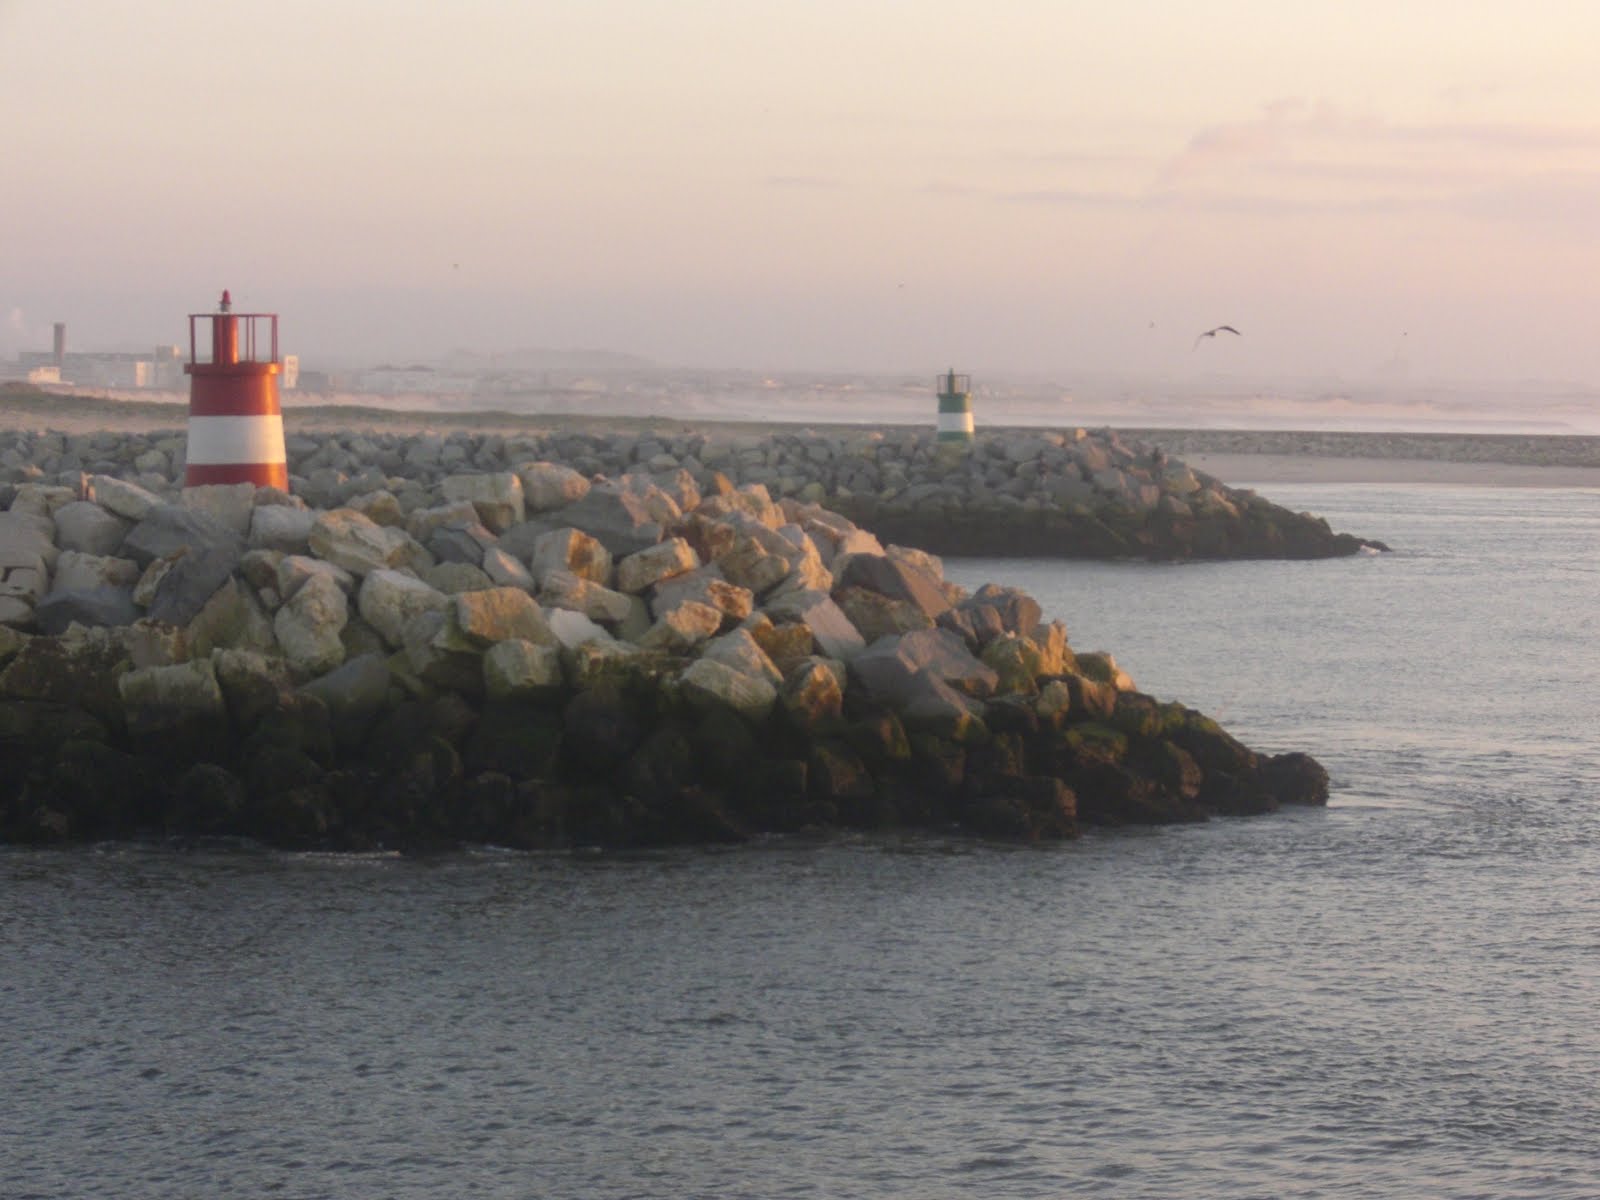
x=955, y=422
x=236, y=440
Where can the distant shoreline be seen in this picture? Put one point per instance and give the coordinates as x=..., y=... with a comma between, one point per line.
x=1247, y=469
x=1232, y=455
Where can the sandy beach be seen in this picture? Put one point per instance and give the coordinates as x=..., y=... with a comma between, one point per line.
x=1238, y=457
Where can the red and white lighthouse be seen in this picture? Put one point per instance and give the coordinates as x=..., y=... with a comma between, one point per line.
x=235, y=421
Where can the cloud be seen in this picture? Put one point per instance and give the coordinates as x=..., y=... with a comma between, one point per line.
x=1287, y=128
x=1299, y=156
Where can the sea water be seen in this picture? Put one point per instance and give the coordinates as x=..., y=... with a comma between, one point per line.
x=1392, y=996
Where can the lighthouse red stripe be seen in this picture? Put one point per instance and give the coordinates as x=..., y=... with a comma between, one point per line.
x=232, y=404
x=260, y=474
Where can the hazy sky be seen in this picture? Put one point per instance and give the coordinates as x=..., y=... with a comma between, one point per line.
x=874, y=184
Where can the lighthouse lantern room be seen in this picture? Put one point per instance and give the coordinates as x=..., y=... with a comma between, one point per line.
x=235, y=421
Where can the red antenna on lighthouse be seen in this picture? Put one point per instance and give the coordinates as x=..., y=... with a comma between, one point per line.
x=235, y=419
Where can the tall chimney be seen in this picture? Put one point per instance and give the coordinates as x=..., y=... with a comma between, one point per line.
x=61, y=342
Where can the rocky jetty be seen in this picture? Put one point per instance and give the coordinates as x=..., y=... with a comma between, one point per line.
x=1013, y=492
x=438, y=640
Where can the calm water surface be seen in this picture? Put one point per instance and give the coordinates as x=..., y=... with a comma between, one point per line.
x=1394, y=996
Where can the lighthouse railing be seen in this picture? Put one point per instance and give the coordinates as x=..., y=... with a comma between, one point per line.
x=248, y=325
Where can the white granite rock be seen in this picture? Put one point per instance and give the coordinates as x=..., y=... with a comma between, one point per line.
x=309, y=624
x=654, y=564
x=388, y=599
x=517, y=669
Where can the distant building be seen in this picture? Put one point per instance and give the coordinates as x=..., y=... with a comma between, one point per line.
x=161, y=369
x=415, y=380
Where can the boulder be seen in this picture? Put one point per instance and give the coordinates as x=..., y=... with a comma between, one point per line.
x=877, y=615
x=707, y=586
x=78, y=669
x=231, y=505
x=1101, y=667
x=75, y=569
x=663, y=509
x=928, y=703
x=278, y=527
x=897, y=579
x=231, y=619
x=169, y=528
x=453, y=578
x=421, y=523
x=562, y=589
x=573, y=551
x=811, y=695
x=1016, y=662
x=388, y=599
x=603, y=661
x=832, y=631
x=118, y=496
x=190, y=580
x=1018, y=612
x=548, y=485
x=517, y=669
x=295, y=569
x=504, y=570
x=497, y=497
x=89, y=529
x=645, y=568
x=108, y=605
x=491, y=616
x=383, y=508
x=437, y=653
x=573, y=629
x=357, y=543
x=888, y=668
x=742, y=652
x=309, y=624
x=42, y=500
x=807, y=572
x=705, y=684
x=149, y=643
x=253, y=684
x=23, y=578
x=461, y=542
x=159, y=698
x=756, y=562
x=1295, y=778
x=617, y=519
x=680, y=629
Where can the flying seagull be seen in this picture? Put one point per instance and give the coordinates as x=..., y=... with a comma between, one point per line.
x=1213, y=333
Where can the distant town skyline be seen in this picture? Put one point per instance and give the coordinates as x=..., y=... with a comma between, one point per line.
x=1360, y=189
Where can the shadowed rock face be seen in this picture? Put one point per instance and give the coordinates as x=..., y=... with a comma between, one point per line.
x=669, y=655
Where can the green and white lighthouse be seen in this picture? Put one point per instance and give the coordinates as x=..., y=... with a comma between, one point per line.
x=955, y=407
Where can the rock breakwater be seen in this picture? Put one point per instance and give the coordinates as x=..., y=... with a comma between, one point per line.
x=435, y=640
x=1037, y=493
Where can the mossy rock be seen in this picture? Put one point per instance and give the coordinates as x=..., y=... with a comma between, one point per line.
x=1093, y=744
x=878, y=736
x=1138, y=715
